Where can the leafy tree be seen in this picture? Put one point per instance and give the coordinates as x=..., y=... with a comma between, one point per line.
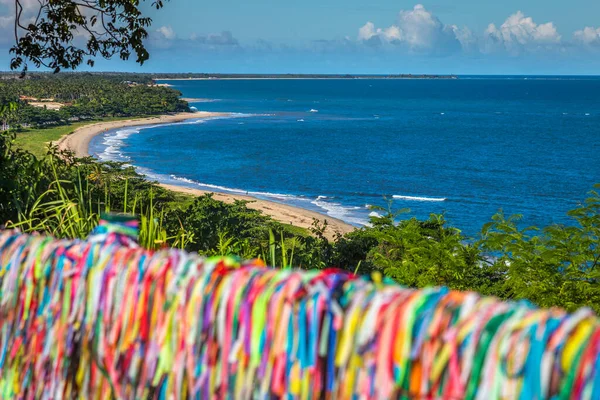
x=208, y=220
x=110, y=27
x=352, y=249
x=428, y=253
x=316, y=251
x=556, y=266
x=7, y=113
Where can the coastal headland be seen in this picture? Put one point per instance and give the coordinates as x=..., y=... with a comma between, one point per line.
x=79, y=142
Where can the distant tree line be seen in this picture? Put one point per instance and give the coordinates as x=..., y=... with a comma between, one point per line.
x=84, y=96
x=296, y=76
x=148, y=78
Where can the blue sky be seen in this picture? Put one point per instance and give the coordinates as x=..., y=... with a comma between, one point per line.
x=352, y=36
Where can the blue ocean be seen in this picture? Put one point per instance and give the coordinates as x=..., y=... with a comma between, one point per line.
x=467, y=147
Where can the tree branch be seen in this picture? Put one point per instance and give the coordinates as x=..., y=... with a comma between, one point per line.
x=48, y=40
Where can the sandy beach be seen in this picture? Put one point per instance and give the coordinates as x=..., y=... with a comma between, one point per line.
x=79, y=142
x=280, y=212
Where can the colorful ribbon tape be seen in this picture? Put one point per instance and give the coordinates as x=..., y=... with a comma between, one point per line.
x=104, y=318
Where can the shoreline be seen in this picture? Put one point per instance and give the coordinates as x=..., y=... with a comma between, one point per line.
x=79, y=140
x=283, y=213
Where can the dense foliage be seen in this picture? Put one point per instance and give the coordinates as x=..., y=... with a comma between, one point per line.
x=84, y=96
x=555, y=266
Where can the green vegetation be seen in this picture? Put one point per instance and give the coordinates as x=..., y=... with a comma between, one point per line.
x=37, y=140
x=81, y=97
x=555, y=266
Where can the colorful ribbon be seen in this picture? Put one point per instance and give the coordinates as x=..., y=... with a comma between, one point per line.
x=104, y=318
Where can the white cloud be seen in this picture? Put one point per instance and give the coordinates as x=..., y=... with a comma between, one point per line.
x=467, y=40
x=167, y=32
x=519, y=32
x=368, y=32
x=421, y=29
x=30, y=9
x=588, y=36
x=417, y=29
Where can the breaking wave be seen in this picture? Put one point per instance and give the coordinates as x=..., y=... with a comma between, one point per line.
x=417, y=198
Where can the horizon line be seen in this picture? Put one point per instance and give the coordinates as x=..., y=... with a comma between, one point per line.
x=294, y=73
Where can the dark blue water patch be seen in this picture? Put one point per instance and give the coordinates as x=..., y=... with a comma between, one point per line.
x=466, y=147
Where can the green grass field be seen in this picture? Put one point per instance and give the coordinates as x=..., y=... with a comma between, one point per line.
x=37, y=140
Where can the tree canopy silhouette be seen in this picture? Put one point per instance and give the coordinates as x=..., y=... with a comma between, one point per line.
x=63, y=34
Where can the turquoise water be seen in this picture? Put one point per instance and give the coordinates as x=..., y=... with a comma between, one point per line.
x=466, y=147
